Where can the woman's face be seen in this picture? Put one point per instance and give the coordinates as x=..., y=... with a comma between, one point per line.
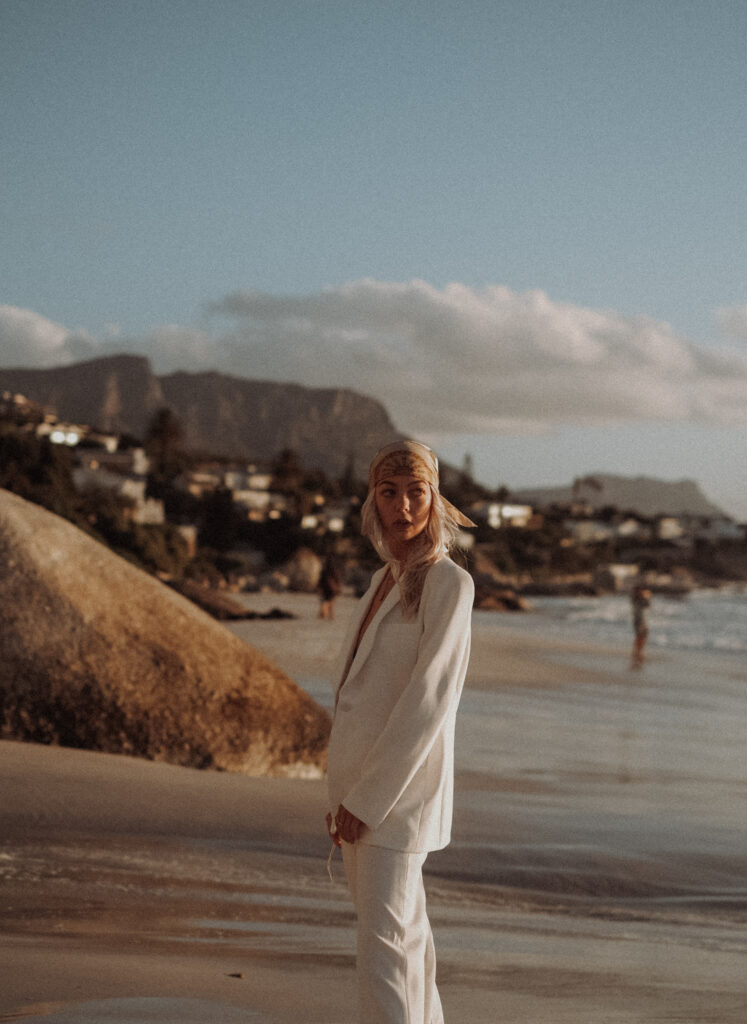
x=404, y=505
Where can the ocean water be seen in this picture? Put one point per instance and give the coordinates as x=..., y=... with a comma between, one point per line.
x=592, y=782
x=704, y=620
x=608, y=781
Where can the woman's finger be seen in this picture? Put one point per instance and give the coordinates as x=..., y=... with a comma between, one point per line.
x=349, y=826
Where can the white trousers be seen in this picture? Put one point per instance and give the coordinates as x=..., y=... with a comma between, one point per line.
x=396, y=959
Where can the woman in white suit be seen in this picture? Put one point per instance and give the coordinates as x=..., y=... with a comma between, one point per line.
x=391, y=751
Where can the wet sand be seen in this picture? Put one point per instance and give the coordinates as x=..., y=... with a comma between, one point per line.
x=597, y=873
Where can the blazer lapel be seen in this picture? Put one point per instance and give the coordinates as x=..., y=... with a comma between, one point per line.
x=369, y=636
x=364, y=648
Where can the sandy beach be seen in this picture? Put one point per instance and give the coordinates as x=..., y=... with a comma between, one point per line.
x=597, y=872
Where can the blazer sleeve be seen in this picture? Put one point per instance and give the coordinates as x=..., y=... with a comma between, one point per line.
x=419, y=713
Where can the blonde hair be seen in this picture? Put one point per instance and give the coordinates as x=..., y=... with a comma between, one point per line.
x=435, y=542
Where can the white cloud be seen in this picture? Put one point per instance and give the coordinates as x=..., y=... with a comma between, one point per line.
x=733, y=321
x=456, y=359
x=28, y=339
x=492, y=360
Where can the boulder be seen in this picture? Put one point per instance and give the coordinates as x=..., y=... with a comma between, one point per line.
x=96, y=654
x=215, y=602
x=493, y=589
x=490, y=598
x=303, y=570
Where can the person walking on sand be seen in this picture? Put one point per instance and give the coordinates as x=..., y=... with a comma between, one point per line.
x=391, y=749
x=329, y=587
x=640, y=599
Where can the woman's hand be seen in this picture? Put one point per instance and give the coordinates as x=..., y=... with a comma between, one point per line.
x=347, y=827
x=333, y=835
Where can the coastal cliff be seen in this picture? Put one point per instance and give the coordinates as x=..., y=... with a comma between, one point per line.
x=96, y=654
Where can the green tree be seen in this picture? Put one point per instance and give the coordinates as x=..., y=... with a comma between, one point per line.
x=38, y=471
x=219, y=520
x=163, y=440
x=287, y=472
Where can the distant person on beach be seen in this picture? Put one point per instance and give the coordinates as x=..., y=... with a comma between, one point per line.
x=329, y=587
x=391, y=751
x=640, y=599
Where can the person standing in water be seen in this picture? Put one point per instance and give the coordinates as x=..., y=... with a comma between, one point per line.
x=391, y=750
x=640, y=599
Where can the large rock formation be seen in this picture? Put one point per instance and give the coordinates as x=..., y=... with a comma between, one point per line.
x=95, y=653
x=252, y=419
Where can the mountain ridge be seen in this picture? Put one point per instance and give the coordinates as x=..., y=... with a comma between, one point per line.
x=648, y=496
x=221, y=414
x=257, y=419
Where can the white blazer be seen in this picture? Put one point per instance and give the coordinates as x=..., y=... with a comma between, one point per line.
x=391, y=750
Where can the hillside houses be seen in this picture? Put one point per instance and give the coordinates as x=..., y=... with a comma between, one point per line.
x=32, y=417
x=496, y=514
x=250, y=488
x=99, y=464
x=328, y=517
x=124, y=474
x=680, y=531
x=216, y=504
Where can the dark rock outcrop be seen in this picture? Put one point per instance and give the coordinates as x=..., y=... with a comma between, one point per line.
x=216, y=603
x=494, y=592
x=96, y=654
x=494, y=599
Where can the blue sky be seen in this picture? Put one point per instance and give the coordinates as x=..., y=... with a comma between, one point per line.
x=521, y=225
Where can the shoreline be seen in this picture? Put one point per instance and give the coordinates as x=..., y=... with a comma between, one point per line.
x=143, y=889
x=152, y=910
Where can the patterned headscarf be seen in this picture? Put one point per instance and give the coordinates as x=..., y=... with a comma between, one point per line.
x=411, y=458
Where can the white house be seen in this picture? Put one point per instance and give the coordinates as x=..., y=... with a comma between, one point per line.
x=87, y=478
x=69, y=434
x=132, y=461
x=669, y=528
x=589, y=531
x=632, y=527
x=497, y=514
